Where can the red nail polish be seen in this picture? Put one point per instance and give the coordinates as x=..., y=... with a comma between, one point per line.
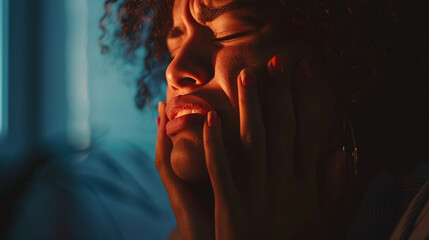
x=212, y=119
x=158, y=121
x=279, y=64
x=159, y=107
x=247, y=78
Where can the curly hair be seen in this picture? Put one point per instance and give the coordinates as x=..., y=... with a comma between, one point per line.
x=142, y=24
x=361, y=42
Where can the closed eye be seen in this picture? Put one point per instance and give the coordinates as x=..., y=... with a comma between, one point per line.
x=233, y=36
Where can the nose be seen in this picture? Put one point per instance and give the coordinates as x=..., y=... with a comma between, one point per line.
x=192, y=64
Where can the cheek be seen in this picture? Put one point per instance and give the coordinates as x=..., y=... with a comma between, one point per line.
x=228, y=66
x=231, y=60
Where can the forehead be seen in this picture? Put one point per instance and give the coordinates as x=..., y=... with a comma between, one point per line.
x=197, y=8
x=196, y=4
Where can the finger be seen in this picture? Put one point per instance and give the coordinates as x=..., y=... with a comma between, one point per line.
x=280, y=124
x=308, y=104
x=216, y=159
x=280, y=120
x=162, y=155
x=291, y=140
x=163, y=144
x=252, y=132
x=188, y=210
x=226, y=195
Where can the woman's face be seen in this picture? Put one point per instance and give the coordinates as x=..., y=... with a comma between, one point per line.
x=210, y=43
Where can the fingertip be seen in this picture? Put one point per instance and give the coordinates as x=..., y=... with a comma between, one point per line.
x=162, y=118
x=212, y=128
x=277, y=69
x=277, y=65
x=247, y=78
x=161, y=109
x=163, y=145
x=212, y=119
x=271, y=69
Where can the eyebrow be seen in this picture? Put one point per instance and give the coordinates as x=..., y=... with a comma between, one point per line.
x=209, y=14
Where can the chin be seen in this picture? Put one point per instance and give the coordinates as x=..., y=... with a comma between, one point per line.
x=188, y=159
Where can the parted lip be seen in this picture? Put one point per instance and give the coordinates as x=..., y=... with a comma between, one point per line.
x=191, y=103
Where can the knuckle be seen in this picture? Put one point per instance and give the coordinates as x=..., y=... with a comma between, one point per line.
x=208, y=141
x=216, y=169
x=212, y=167
x=253, y=139
x=249, y=99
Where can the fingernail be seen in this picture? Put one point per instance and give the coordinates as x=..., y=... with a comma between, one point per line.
x=247, y=77
x=212, y=119
x=158, y=121
x=161, y=108
x=279, y=64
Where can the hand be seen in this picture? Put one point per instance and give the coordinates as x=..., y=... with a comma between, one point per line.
x=273, y=201
x=232, y=215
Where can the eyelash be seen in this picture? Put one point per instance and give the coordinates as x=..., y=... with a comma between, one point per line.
x=228, y=37
x=233, y=36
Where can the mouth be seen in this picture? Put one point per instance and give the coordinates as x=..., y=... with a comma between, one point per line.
x=180, y=111
x=186, y=111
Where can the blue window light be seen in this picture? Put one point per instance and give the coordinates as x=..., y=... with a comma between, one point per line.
x=3, y=68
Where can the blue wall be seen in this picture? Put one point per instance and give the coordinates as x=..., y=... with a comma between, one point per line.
x=60, y=85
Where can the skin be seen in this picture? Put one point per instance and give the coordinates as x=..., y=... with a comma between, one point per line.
x=230, y=176
x=214, y=68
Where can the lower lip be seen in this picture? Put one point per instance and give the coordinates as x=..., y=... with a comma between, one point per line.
x=187, y=121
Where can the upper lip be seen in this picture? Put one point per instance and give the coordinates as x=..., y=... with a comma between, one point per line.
x=190, y=102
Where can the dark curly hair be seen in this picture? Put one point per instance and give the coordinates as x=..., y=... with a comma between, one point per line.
x=363, y=43
x=142, y=24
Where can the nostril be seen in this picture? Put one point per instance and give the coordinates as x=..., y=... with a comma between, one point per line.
x=187, y=81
